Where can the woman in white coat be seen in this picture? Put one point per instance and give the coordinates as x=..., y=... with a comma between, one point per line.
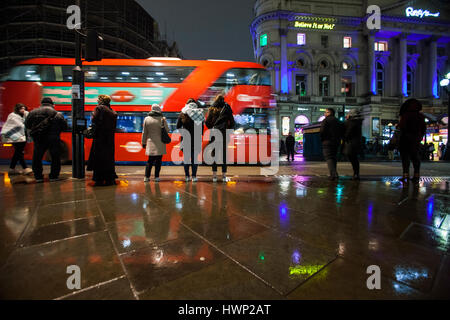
x=13, y=132
x=151, y=141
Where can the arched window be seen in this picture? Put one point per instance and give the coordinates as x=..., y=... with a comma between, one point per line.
x=380, y=78
x=301, y=120
x=409, y=80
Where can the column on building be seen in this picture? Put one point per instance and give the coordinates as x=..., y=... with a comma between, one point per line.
x=432, y=70
x=402, y=83
x=371, y=62
x=284, y=64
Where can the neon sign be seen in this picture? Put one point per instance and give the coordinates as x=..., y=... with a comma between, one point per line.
x=411, y=12
x=314, y=25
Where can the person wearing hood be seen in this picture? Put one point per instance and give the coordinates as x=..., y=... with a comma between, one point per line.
x=151, y=141
x=412, y=129
x=45, y=125
x=13, y=131
x=102, y=156
x=352, y=139
x=192, y=119
x=220, y=117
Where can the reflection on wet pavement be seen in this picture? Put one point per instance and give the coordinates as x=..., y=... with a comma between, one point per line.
x=299, y=237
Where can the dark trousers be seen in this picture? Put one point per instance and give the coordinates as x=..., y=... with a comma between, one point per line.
x=153, y=160
x=40, y=147
x=224, y=160
x=353, y=158
x=191, y=163
x=290, y=152
x=19, y=148
x=410, y=155
x=330, y=155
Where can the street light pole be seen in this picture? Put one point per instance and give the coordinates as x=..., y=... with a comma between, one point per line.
x=446, y=156
x=78, y=110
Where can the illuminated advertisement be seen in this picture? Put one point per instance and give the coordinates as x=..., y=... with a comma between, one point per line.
x=124, y=96
x=419, y=13
x=285, y=125
x=314, y=25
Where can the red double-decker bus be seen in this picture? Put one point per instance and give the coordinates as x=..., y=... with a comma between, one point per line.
x=134, y=85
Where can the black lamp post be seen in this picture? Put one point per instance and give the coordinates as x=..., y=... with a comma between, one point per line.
x=444, y=83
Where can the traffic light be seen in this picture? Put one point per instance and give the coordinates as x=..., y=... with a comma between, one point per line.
x=93, y=44
x=341, y=116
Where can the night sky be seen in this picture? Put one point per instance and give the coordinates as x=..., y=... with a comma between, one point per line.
x=206, y=29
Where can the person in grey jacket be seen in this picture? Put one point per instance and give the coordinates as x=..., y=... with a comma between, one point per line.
x=330, y=135
x=49, y=139
x=151, y=141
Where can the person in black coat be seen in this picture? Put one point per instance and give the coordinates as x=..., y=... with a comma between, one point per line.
x=412, y=129
x=290, y=144
x=330, y=135
x=49, y=139
x=101, y=158
x=220, y=117
x=352, y=140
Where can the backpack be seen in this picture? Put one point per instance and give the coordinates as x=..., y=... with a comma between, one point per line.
x=42, y=127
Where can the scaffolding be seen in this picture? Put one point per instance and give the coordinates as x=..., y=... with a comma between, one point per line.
x=37, y=28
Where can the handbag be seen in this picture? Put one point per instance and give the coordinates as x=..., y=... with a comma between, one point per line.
x=90, y=132
x=42, y=127
x=165, y=138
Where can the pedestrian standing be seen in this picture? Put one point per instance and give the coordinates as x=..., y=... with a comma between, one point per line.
x=220, y=117
x=412, y=129
x=192, y=119
x=102, y=156
x=352, y=140
x=330, y=135
x=45, y=125
x=290, y=144
x=13, y=131
x=431, y=151
x=152, y=142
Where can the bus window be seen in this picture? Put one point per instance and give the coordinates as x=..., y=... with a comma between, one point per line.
x=244, y=76
x=252, y=118
x=24, y=73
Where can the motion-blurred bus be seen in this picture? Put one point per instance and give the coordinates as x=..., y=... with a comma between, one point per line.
x=134, y=85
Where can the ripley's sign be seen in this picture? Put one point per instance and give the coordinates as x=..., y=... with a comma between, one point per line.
x=411, y=12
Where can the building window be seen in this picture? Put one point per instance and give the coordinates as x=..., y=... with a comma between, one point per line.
x=324, y=84
x=380, y=79
x=263, y=40
x=323, y=64
x=347, y=42
x=347, y=87
x=324, y=41
x=411, y=49
x=301, y=39
x=300, y=63
x=300, y=85
x=381, y=46
x=409, y=81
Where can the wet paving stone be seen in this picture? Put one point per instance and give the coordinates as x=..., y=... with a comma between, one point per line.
x=150, y=267
x=39, y=272
x=59, y=231
x=49, y=214
x=344, y=280
x=428, y=236
x=224, y=280
x=283, y=262
x=115, y=290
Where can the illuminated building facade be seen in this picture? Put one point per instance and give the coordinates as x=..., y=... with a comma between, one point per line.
x=322, y=54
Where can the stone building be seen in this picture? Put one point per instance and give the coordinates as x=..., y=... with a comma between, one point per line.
x=322, y=54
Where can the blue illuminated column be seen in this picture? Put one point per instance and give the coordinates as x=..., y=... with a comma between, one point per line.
x=403, y=91
x=371, y=62
x=432, y=71
x=284, y=67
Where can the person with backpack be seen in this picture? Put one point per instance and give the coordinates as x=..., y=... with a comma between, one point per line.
x=220, y=117
x=45, y=125
x=13, y=131
x=192, y=119
x=102, y=155
x=330, y=135
x=152, y=142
